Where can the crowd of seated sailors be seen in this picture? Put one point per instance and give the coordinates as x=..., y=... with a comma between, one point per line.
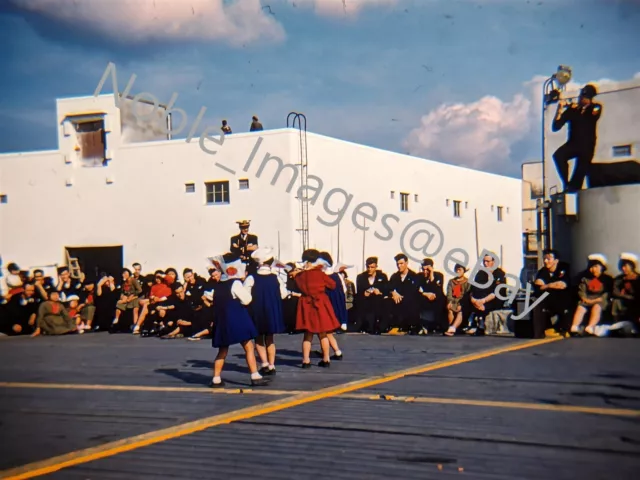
x=165, y=305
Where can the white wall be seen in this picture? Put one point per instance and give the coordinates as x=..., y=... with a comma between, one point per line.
x=607, y=223
x=370, y=175
x=145, y=207
x=618, y=125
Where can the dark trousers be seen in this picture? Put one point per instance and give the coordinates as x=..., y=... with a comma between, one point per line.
x=405, y=317
x=367, y=321
x=583, y=156
x=480, y=316
x=542, y=316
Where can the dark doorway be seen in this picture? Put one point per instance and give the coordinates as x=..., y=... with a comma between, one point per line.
x=95, y=260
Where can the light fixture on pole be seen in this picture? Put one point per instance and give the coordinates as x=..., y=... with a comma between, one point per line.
x=551, y=89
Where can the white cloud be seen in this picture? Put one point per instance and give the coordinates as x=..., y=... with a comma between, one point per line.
x=482, y=134
x=333, y=8
x=236, y=23
x=141, y=20
x=478, y=134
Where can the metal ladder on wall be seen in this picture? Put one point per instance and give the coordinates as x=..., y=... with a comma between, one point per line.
x=304, y=203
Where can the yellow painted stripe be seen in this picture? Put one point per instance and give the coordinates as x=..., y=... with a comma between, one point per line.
x=355, y=396
x=144, y=388
x=120, y=446
x=497, y=404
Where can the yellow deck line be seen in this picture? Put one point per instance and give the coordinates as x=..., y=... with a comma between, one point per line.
x=354, y=396
x=623, y=412
x=144, y=388
x=78, y=457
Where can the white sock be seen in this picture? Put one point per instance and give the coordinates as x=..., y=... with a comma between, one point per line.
x=256, y=376
x=272, y=367
x=217, y=380
x=343, y=326
x=265, y=364
x=338, y=352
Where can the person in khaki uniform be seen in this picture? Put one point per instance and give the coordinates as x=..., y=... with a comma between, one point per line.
x=53, y=318
x=129, y=298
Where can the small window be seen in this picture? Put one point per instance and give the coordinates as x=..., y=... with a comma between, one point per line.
x=622, y=151
x=499, y=213
x=393, y=194
x=217, y=193
x=404, y=202
x=415, y=198
x=189, y=187
x=456, y=208
x=243, y=184
x=3, y=199
x=447, y=202
x=466, y=205
x=91, y=142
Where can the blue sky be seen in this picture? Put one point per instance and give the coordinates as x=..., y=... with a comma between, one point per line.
x=449, y=80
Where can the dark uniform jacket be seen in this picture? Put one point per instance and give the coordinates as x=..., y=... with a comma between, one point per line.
x=582, y=124
x=371, y=304
x=437, y=287
x=241, y=248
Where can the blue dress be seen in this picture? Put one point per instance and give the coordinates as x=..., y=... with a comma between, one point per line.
x=338, y=299
x=232, y=321
x=266, y=306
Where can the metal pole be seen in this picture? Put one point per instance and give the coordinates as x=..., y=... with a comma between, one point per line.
x=539, y=233
x=278, y=244
x=475, y=212
x=364, y=236
x=338, y=242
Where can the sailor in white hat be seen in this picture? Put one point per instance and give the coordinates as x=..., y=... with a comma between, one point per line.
x=268, y=291
x=594, y=290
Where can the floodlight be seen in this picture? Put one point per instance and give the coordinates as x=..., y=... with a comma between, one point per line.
x=563, y=75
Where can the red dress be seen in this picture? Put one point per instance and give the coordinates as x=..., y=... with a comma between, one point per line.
x=315, y=313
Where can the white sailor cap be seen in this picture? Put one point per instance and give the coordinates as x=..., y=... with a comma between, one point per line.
x=598, y=257
x=72, y=297
x=631, y=257
x=262, y=254
x=341, y=266
x=321, y=261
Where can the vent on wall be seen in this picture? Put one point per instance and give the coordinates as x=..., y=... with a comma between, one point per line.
x=622, y=151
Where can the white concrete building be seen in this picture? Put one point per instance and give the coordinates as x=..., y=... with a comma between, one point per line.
x=166, y=203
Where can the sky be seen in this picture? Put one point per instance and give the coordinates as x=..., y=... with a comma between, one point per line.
x=455, y=81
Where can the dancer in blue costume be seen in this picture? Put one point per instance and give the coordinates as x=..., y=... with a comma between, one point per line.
x=233, y=324
x=268, y=292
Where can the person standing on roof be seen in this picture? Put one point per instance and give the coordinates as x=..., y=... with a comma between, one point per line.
x=582, y=118
x=256, y=126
